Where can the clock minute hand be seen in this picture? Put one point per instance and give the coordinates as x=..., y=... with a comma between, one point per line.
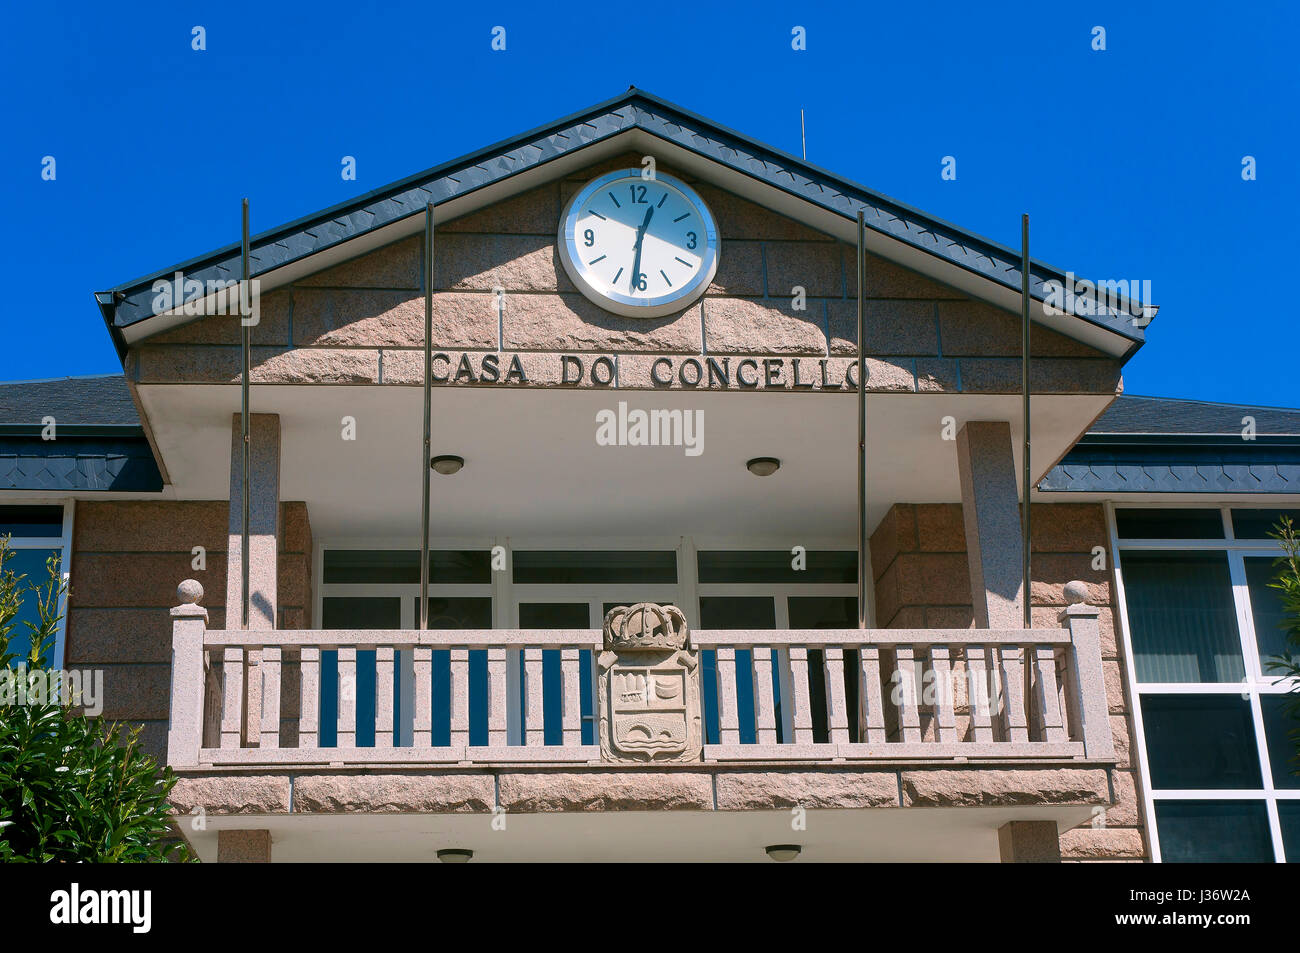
x=640, y=235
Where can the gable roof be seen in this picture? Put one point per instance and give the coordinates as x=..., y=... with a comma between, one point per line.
x=509, y=163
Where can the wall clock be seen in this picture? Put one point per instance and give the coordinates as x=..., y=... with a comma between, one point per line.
x=639, y=247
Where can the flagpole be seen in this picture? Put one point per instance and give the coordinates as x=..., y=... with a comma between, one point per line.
x=862, y=426
x=246, y=442
x=426, y=460
x=1024, y=388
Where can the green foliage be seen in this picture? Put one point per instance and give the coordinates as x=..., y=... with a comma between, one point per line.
x=72, y=788
x=1287, y=583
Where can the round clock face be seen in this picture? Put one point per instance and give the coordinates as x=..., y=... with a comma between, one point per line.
x=639, y=247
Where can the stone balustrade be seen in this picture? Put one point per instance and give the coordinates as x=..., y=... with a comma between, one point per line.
x=664, y=694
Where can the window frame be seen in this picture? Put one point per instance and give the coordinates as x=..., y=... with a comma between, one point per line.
x=1252, y=687
x=63, y=543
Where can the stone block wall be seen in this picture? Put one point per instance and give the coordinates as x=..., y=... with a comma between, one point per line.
x=922, y=580
x=127, y=558
x=363, y=321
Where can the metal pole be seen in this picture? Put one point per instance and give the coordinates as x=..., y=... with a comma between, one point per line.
x=803, y=136
x=862, y=425
x=426, y=459
x=245, y=337
x=1024, y=388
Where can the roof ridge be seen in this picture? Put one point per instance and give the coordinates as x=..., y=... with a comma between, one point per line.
x=1209, y=403
x=68, y=377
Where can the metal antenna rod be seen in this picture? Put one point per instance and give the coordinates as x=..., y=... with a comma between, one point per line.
x=426, y=460
x=245, y=337
x=862, y=425
x=1024, y=387
x=803, y=136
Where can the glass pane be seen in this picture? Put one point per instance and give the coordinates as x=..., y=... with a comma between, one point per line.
x=1266, y=610
x=558, y=567
x=1282, y=731
x=30, y=521
x=776, y=566
x=1258, y=524
x=1288, y=814
x=361, y=612
x=1200, y=741
x=1168, y=524
x=1214, y=831
x=457, y=612
x=1181, y=617
x=29, y=563
x=736, y=612
x=554, y=615
x=560, y=615
x=446, y=566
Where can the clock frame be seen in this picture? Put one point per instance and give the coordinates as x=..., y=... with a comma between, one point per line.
x=602, y=291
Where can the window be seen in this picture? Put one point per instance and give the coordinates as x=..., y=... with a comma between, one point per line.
x=762, y=589
x=37, y=533
x=1201, y=623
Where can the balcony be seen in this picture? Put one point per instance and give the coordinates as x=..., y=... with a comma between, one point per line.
x=957, y=695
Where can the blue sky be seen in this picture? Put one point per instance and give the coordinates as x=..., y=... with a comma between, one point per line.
x=1128, y=160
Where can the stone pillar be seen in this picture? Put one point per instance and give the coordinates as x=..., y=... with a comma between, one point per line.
x=991, y=513
x=1029, y=842
x=263, y=543
x=189, y=676
x=244, y=847
x=263, y=523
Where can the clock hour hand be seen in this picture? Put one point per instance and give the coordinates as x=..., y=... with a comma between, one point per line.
x=640, y=235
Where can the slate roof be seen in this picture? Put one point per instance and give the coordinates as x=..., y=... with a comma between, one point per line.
x=99, y=443
x=132, y=302
x=1162, y=445
x=80, y=401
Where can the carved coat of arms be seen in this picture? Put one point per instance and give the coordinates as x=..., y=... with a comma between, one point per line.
x=648, y=689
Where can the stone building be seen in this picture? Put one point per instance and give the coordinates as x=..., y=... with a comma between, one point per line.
x=609, y=443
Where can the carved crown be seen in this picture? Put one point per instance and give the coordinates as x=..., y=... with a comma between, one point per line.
x=646, y=626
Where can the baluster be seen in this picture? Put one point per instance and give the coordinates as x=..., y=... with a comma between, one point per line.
x=497, y=725
x=1048, y=699
x=870, y=694
x=459, y=697
x=837, y=716
x=347, y=736
x=945, y=721
x=232, y=707
x=571, y=699
x=1013, y=693
x=309, y=702
x=979, y=692
x=535, y=734
x=385, y=729
x=800, y=696
x=764, y=702
x=909, y=716
x=270, y=668
x=728, y=710
x=422, y=716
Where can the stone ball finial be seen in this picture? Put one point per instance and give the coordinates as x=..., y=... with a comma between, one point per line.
x=190, y=592
x=1076, y=592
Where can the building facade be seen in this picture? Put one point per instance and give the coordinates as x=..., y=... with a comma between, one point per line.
x=610, y=443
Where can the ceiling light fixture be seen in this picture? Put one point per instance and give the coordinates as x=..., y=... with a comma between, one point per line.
x=783, y=853
x=457, y=855
x=447, y=463
x=763, y=466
